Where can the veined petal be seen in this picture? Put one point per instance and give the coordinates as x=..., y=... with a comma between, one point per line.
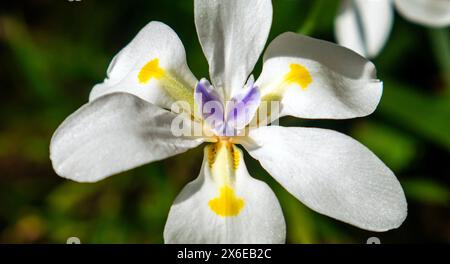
x=242, y=108
x=433, y=13
x=332, y=174
x=364, y=25
x=209, y=105
x=111, y=134
x=318, y=79
x=232, y=34
x=153, y=67
x=225, y=204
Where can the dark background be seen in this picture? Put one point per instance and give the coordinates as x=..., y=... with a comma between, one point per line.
x=53, y=52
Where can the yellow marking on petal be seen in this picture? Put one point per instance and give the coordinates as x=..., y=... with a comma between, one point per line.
x=176, y=89
x=227, y=204
x=236, y=157
x=150, y=70
x=212, y=151
x=223, y=159
x=299, y=75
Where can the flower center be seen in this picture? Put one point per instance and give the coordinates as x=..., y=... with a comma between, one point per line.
x=226, y=119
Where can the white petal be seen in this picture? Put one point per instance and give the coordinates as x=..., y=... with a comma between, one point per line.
x=364, y=25
x=192, y=219
x=332, y=174
x=318, y=79
x=111, y=134
x=433, y=13
x=156, y=41
x=232, y=34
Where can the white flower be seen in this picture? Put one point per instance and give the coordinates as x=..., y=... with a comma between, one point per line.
x=126, y=124
x=364, y=25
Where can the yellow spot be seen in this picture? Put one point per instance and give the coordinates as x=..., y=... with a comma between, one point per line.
x=299, y=75
x=227, y=204
x=150, y=70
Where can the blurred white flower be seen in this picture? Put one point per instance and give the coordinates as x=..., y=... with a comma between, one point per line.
x=365, y=25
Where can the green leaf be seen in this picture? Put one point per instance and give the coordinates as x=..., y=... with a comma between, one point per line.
x=440, y=41
x=309, y=25
x=395, y=148
x=426, y=190
x=32, y=62
x=299, y=219
x=424, y=114
x=69, y=194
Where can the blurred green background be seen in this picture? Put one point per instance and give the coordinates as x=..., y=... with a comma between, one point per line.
x=53, y=52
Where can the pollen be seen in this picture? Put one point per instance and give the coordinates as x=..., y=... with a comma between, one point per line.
x=236, y=157
x=212, y=152
x=227, y=204
x=228, y=152
x=150, y=70
x=298, y=75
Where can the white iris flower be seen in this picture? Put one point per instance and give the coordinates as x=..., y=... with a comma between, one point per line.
x=125, y=124
x=365, y=25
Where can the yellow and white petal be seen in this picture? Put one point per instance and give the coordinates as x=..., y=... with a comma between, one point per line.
x=114, y=133
x=364, y=25
x=153, y=67
x=225, y=204
x=318, y=79
x=432, y=13
x=332, y=174
x=232, y=34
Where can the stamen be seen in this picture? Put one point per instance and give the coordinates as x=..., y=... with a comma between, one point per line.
x=236, y=157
